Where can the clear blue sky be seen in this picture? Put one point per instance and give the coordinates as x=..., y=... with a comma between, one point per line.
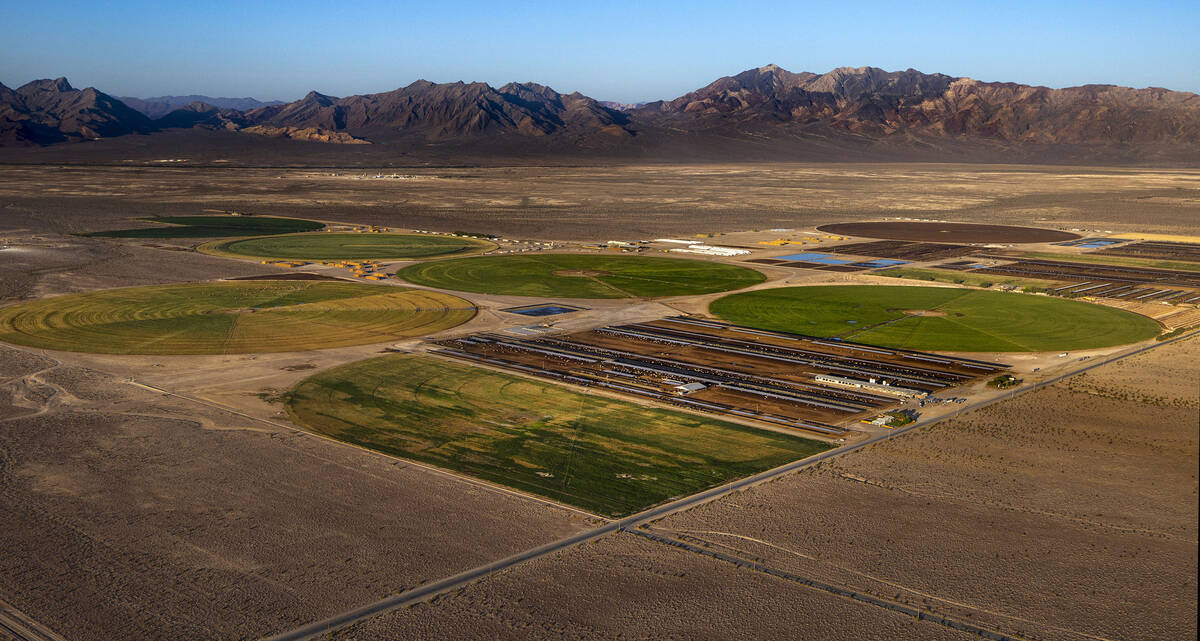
x=629, y=51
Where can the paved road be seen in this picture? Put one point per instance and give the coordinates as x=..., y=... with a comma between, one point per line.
x=448, y=584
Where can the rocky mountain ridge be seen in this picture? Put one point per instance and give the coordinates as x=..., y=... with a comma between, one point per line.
x=49, y=111
x=769, y=107
x=878, y=103
x=159, y=106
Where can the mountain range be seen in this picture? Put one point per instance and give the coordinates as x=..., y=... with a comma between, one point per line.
x=162, y=105
x=50, y=111
x=768, y=112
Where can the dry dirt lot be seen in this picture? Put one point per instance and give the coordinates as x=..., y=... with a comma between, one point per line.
x=1067, y=513
x=42, y=264
x=597, y=203
x=128, y=515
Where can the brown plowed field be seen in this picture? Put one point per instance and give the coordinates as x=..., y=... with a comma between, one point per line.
x=948, y=232
x=903, y=250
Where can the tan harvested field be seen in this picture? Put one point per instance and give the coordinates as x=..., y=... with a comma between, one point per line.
x=231, y=317
x=128, y=515
x=626, y=587
x=590, y=203
x=1171, y=316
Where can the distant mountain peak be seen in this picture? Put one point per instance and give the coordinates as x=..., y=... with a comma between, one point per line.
x=159, y=106
x=57, y=85
x=314, y=96
x=199, y=106
x=46, y=111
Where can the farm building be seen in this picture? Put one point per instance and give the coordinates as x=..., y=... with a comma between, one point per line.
x=871, y=385
x=688, y=388
x=711, y=250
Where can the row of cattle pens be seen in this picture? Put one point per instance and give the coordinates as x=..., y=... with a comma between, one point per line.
x=1108, y=281
x=789, y=380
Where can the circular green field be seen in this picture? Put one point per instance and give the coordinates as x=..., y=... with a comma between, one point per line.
x=581, y=276
x=936, y=318
x=331, y=246
x=230, y=317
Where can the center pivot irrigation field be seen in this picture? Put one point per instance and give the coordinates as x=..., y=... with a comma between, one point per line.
x=607, y=456
x=948, y=232
x=330, y=246
x=582, y=276
x=212, y=227
x=936, y=318
x=230, y=317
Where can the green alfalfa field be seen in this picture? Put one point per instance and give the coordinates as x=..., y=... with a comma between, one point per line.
x=936, y=318
x=231, y=317
x=346, y=246
x=607, y=456
x=581, y=276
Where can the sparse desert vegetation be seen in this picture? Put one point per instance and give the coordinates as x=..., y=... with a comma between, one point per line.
x=1064, y=513
x=169, y=519
x=621, y=201
x=626, y=586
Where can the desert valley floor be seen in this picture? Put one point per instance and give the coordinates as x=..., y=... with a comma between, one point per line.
x=147, y=493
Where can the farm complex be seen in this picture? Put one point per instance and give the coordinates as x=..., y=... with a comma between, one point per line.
x=793, y=381
x=332, y=426
x=1103, y=280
